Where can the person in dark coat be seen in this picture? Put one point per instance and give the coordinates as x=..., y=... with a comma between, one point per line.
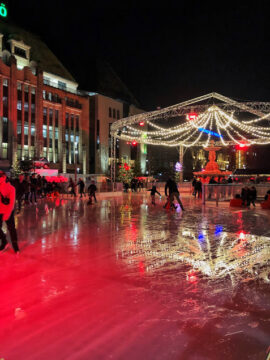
x=81, y=185
x=92, y=192
x=21, y=189
x=153, y=192
x=198, y=188
x=71, y=187
x=253, y=195
x=173, y=192
x=33, y=189
x=245, y=196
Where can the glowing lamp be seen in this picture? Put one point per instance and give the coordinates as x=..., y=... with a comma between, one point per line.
x=242, y=146
x=178, y=167
x=141, y=123
x=134, y=143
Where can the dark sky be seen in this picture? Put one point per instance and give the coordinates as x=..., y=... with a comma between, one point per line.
x=165, y=53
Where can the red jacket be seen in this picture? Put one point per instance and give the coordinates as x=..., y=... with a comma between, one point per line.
x=8, y=191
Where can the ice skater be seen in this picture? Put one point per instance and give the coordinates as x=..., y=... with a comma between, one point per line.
x=81, y=187
x=173, y=192
x=153, y=193
x=7, y=204
x=92, y=192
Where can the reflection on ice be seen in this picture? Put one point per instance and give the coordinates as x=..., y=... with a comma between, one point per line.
x=215, y=255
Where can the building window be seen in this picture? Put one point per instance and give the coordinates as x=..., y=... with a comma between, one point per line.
x=118, y=114
x=5, y=130
x=44, y=94
x=4, y=150
x=114, y=113
x=46, y=81
x=62, y=85
x=20, y=52
x=110, y=112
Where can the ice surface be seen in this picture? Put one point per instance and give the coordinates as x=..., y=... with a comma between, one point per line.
x=123, y=279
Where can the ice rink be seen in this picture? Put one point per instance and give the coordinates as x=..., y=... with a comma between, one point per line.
x=124, y=279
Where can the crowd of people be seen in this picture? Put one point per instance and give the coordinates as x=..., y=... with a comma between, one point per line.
x=26, y=189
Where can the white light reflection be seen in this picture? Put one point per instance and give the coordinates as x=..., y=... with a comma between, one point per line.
x=215, y=255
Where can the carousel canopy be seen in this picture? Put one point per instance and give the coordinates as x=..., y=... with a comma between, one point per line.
x=198, y=121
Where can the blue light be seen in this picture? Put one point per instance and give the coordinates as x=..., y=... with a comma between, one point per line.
x=219, y=229
x=209, y=132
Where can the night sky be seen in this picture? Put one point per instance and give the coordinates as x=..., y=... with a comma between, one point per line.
x=164, y=54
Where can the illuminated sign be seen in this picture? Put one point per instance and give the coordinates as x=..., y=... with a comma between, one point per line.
x=192, y=116
x=3, y=10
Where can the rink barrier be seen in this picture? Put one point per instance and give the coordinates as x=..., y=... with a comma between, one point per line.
x=225, y=192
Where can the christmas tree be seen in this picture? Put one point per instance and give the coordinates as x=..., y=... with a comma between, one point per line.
x=125, y=173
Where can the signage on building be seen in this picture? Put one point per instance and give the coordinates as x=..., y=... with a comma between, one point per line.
x=3, y=10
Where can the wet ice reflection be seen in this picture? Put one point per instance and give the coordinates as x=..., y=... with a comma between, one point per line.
x=215, y=254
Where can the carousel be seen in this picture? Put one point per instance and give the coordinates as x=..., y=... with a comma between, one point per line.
x=211, y=121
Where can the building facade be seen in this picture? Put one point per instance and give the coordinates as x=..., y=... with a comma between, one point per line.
x=104, y=111
x=41, y=114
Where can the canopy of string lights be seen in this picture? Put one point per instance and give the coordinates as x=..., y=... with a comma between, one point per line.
x=198, y=121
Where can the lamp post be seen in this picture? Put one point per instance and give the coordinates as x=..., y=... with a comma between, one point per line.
x=75, y=153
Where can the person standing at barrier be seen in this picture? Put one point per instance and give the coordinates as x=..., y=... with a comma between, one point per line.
x=194, y=181
x=7, y=204
x=210, y=188
x=173, y=192
x=198, y=188
x=245, y=196
x=253, y=195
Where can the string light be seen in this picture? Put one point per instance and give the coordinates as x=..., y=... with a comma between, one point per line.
x=189, y=130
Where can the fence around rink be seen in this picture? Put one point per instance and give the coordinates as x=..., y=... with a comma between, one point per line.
x=226, y=192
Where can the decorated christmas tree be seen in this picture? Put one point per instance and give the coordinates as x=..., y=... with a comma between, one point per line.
x=125, y=173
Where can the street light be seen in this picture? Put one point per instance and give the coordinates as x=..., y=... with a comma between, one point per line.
x=76, y=152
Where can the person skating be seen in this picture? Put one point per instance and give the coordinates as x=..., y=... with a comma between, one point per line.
x=21, y=189
x=92, y=192
x=173, y=192
x=153, y=192
x=7, y=204
x=71, y=187
x=33, y=189
x=81, y=187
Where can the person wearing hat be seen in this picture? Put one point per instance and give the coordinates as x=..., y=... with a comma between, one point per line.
x=7, y=204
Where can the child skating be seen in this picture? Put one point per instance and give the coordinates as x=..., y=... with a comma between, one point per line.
x=153, y=193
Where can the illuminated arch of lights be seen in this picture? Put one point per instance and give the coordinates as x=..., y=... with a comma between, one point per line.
x=191, y=124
